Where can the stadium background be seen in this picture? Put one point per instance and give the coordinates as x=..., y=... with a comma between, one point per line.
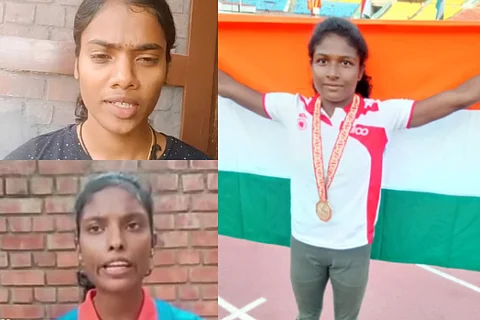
x=466, y=10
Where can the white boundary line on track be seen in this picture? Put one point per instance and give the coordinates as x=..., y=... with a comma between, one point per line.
x=236, y=313
x=450, y=277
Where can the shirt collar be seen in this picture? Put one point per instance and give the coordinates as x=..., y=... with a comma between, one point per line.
x=87, y=311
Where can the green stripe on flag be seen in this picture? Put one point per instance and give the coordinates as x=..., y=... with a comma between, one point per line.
x=246, y=212
x=413, y=227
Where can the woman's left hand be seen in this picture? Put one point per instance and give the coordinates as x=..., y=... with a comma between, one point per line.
x=445, y=103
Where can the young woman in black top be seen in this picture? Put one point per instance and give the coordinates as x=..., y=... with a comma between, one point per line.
x=122, y=57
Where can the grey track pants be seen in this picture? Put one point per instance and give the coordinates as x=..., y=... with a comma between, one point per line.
x=311, y=268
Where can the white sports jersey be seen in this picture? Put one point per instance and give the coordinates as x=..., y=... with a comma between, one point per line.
x=354, y=194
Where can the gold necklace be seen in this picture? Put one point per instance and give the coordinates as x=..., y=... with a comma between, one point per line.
x=88, y=154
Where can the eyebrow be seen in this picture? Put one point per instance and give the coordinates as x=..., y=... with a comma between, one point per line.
x=327, y=55
x=141, y=47
x=128, y=216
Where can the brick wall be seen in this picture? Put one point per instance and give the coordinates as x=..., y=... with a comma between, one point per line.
x=37, y=255
x=32, y=103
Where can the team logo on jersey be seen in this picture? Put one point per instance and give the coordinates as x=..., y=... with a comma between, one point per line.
x=367, y=107
x=302, y=121
x=308, y=104
x=359, y=131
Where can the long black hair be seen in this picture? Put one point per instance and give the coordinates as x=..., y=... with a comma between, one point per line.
x=129, y=183
x=88, y=9
x=350, y=32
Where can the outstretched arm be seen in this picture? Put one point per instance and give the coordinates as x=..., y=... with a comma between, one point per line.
x=248, y=98
x=445, y=103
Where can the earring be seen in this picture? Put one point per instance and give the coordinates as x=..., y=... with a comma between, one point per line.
x=149, y=272
x=152, y=253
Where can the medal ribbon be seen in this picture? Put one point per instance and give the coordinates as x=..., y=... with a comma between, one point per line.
x=338, y=148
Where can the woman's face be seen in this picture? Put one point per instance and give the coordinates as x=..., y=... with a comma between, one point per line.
x=121, y=66
x=115, y=241
x=336, y=69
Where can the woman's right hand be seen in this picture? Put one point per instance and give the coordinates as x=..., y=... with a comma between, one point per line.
x=225, y=82
x=248, y=98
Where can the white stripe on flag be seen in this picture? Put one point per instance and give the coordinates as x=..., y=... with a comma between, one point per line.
x=441, y=157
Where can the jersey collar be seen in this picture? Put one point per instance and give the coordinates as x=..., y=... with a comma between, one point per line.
x=87, y=311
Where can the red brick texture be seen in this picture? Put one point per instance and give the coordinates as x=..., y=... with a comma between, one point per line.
x=37, y=256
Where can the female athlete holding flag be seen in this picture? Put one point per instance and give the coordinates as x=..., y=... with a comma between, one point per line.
x=337, y=141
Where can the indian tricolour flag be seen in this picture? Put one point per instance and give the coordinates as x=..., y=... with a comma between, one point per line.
x=430, y=208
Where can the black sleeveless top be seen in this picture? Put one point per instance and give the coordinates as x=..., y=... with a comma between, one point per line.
x=63, y=144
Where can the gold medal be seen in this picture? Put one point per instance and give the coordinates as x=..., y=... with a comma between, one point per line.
x=324, y=212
